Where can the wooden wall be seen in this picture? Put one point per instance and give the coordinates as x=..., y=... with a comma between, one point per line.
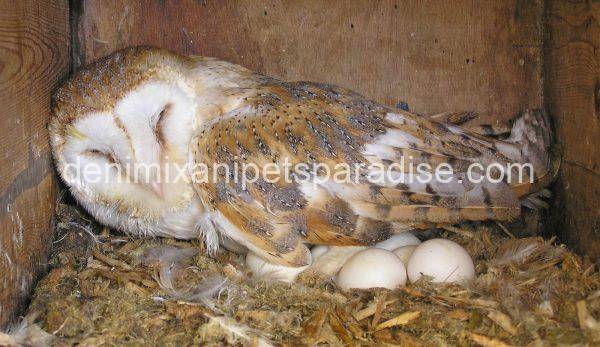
x=34, y=56
x=573, y=97
x=435, y=55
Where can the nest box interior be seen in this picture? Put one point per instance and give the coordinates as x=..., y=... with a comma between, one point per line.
x=494, y=57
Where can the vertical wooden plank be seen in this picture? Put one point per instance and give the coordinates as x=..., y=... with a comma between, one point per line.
x=435, y=55
x=573, y=96
x=34, y=55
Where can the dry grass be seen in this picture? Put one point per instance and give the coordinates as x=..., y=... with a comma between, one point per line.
x=112, y=290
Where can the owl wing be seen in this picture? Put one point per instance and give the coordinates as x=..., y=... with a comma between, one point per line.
x=314, y=126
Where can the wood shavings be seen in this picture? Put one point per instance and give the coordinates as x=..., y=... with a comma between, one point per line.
x=468, y=302
x=528, y=292
x=370, y=310
x=136, y=289
x=460, y=315
x=185, y=310
x=486, y=341
x=503, y=321
x=402, y=319
x=378, y=309
x=110, y=261
x=337, y=326
x=314, y=324
x=586, y=321
x=398, y=338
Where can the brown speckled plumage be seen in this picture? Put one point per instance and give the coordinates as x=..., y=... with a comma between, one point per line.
x=308, y=122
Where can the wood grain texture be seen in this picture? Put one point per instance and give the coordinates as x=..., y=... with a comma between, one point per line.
x=573, y=91
x=34, y=55
x=434, y=55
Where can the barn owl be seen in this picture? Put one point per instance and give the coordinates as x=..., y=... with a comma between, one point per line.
x=153, y=107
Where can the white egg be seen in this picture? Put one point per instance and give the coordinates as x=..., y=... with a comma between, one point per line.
x=263, y=269
x=442, y=260
x=398, y=240
x=372, y=268
x=318, y=250
x=404, y=253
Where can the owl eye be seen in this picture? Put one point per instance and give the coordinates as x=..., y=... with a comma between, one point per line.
x=158, y=128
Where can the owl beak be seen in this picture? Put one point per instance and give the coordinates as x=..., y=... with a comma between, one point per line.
x=157, y=188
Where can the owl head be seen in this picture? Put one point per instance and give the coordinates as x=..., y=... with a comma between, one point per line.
x=120, y=134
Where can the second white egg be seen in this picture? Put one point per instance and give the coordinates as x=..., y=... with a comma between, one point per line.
x=442, y=260
x=372, y=268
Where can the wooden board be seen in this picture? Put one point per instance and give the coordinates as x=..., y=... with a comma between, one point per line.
x=435, y=55
x=34, y=56
x=573, y=95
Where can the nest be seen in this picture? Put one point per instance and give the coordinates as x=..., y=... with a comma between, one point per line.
x=106, y=289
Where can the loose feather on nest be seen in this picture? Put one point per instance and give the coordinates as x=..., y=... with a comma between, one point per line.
x=25, y=333
x=173, y=260
x=517, y=251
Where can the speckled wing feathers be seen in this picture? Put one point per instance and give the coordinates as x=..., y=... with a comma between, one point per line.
x=314, y=123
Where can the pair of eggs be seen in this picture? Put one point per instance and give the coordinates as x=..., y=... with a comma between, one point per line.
x=403, y=257
x=386, y=265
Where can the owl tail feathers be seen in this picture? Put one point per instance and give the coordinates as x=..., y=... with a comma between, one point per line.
x=532, y=132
